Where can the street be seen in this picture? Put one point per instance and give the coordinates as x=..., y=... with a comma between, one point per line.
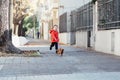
x=75, y=64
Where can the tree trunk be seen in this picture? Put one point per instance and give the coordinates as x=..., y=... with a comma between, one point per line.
x=6, y=43
x=6, y=32
x=10, y=48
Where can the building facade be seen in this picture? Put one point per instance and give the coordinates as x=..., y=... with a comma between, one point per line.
x=84, y=28
x=67, y=8
x=108, y=29
x=76, y=24
x=95, y=25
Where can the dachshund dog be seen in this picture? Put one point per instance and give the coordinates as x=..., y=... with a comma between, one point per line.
x=60, y=51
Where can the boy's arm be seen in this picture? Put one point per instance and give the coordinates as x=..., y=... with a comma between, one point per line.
x=53, y=35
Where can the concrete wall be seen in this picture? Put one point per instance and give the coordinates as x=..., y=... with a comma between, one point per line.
x=108, y=41
x=81, y=39
x=67, y=38
x=64, y=38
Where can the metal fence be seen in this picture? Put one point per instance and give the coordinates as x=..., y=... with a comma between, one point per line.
x=109, y=14
x=63, y=23
x=82, y=18
x=73, y=16
x=85, y=17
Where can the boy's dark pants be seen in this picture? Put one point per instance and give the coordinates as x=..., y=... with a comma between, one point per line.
x=54, y=44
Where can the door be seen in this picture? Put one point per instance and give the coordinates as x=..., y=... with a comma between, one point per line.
x=89, y=39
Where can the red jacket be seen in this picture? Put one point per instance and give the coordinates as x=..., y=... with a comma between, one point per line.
x=54, y=36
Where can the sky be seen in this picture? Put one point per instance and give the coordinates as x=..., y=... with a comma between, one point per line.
x=68, y=4
x=72, y=4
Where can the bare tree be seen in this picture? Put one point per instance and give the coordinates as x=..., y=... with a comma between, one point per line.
x=19, y=14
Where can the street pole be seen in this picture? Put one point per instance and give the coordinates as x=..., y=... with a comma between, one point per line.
x=95, y=21
x=10, y=18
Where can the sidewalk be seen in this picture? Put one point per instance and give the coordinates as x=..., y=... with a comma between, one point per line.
x=37, y=42
x=78, y=76
x=75, y=64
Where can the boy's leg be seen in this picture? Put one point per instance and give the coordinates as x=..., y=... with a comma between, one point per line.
x=52, y=44
x=56, y=45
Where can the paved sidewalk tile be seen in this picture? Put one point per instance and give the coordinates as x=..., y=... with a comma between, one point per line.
x=1, y=66
x=75, y=76
x=2, y=60
x=3, y=78
x=11, y=78
x=9, y=60
x=17, y=60
x=25, y=78
x=7, y=78
x=82, y=76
